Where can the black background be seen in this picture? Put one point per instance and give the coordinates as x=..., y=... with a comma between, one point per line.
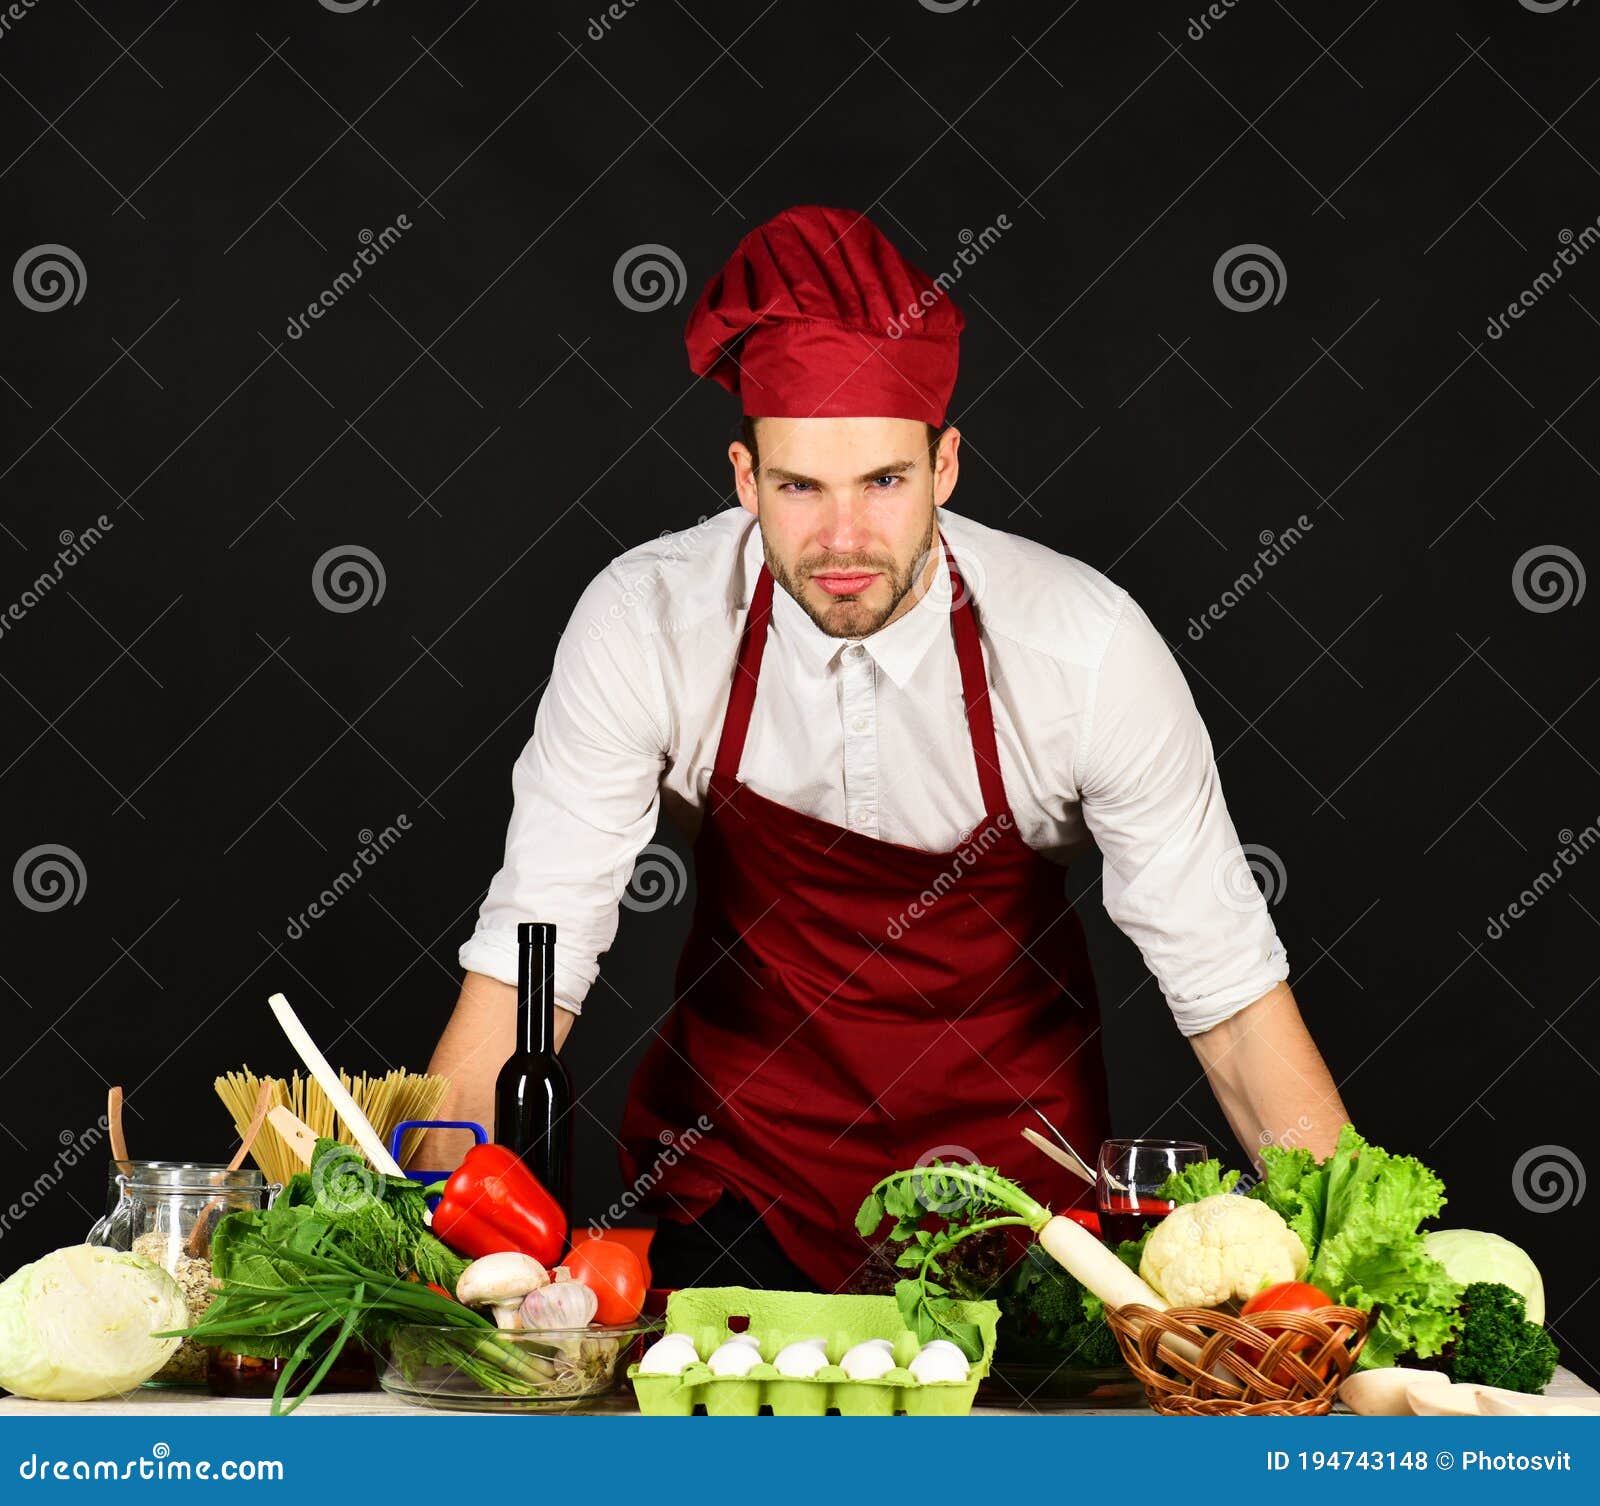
x=486, y=416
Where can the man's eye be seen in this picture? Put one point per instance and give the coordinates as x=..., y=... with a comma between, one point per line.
x=878, y=483
x=795, y=488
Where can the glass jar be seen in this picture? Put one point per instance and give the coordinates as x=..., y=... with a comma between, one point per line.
x=167, y=1211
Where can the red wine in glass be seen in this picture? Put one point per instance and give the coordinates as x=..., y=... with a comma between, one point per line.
x=1129, y=1179
x=1124, y=1215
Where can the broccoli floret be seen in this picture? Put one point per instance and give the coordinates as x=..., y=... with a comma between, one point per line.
x=1497, y=1346
x=1048, y=1306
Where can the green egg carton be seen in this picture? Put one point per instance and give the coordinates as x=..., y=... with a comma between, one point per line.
x=780, y=1318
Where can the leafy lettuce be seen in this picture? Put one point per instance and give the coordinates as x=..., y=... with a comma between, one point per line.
x=1358, y=1213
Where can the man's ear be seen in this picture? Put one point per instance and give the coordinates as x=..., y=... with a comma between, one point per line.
x=946, y=466
x=744, y=476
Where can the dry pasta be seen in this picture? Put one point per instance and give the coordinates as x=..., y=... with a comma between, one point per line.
x=385, y=1099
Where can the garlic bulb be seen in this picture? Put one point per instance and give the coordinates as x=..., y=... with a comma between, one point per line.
x=669, y=1355
x=562, y=1304
x=801, y=1359
x=868, y=1360
x=939, y=1360
x=738, y=1356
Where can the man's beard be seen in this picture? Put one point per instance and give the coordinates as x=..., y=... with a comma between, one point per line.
x=845, y=617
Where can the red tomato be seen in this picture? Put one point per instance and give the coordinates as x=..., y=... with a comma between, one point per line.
x=611, y=1271
x=1285, y=1297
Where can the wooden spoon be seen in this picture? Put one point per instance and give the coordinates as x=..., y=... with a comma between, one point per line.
x=1056, y=1154
x=197, y=1235
x=119, y=1143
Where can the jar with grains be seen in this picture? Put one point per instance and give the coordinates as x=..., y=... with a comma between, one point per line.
x=167, y=1212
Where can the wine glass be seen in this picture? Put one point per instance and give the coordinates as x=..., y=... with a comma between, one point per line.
x=1128, y=1182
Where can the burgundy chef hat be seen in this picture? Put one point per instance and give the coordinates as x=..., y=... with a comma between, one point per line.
x=816, y=315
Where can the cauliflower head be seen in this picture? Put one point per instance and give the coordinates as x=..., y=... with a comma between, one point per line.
x=1220, y=1249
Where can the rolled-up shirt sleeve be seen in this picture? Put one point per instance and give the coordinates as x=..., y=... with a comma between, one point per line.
x=586, y=791
x=1176, y=880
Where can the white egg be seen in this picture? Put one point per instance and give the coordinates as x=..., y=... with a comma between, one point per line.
x=868, y=1360
x=801, y=1359
x=669, y=1355
x=939, y=1360
x=736, y=1357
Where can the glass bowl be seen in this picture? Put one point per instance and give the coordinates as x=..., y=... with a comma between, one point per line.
x=509, y=1369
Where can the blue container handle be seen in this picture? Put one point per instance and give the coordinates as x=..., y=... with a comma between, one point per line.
x=397, y=1134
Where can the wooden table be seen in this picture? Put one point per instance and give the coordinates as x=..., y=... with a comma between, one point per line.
x=147, y=1402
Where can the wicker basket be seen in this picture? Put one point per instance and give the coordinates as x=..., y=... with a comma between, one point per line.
x=1241, y=1370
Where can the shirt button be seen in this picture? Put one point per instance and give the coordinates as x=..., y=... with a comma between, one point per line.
x=860, y=724
x=855, y=651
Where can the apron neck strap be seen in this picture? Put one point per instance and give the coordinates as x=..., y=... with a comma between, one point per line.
x=969, y=656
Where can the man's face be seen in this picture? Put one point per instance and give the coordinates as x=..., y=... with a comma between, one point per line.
x=846, y=508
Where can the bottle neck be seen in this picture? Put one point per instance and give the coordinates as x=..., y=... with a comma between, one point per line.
x=536, y=989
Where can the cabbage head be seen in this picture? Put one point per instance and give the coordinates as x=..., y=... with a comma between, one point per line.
x=1470, y=1255
x=77, y=1325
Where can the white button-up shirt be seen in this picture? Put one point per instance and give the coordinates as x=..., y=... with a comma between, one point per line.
x=1098, y=735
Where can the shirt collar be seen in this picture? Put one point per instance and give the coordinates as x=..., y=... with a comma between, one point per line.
x=897, y=649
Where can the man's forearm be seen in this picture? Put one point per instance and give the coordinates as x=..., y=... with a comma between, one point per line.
x=480, y=1036
x=1270, y=1078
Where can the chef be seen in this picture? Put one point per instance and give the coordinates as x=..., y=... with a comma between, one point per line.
x=888, y=729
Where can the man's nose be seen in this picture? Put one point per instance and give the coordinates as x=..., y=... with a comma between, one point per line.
x=844, y=528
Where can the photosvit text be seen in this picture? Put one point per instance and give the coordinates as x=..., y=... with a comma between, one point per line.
x=1372, y=1460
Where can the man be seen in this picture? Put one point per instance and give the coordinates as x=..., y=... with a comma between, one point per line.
x=888, y=728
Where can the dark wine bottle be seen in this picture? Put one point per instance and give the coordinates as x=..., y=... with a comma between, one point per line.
x=533, y=1094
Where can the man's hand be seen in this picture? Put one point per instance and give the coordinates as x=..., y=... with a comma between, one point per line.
x=481, y=1034
x=1270, y=1078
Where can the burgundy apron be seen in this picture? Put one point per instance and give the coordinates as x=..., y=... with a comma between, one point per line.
x=847, y=1007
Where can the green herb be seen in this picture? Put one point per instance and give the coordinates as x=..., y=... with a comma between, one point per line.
x=1497, y=1346
x=970, y=1199
x=342, y=1254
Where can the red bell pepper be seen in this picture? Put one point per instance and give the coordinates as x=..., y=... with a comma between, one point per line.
x=492, y=1202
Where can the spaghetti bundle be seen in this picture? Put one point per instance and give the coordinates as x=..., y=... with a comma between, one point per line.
x=386, y=1100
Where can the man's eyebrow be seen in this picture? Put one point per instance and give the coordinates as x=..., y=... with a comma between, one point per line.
x=894, y=468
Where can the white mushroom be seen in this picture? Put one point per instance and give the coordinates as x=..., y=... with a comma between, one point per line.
x=500, y=1282
x=737, y=1356
x=669, y=1355
x=868, y=1360
x=939, y=1360
x=801, y=1359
